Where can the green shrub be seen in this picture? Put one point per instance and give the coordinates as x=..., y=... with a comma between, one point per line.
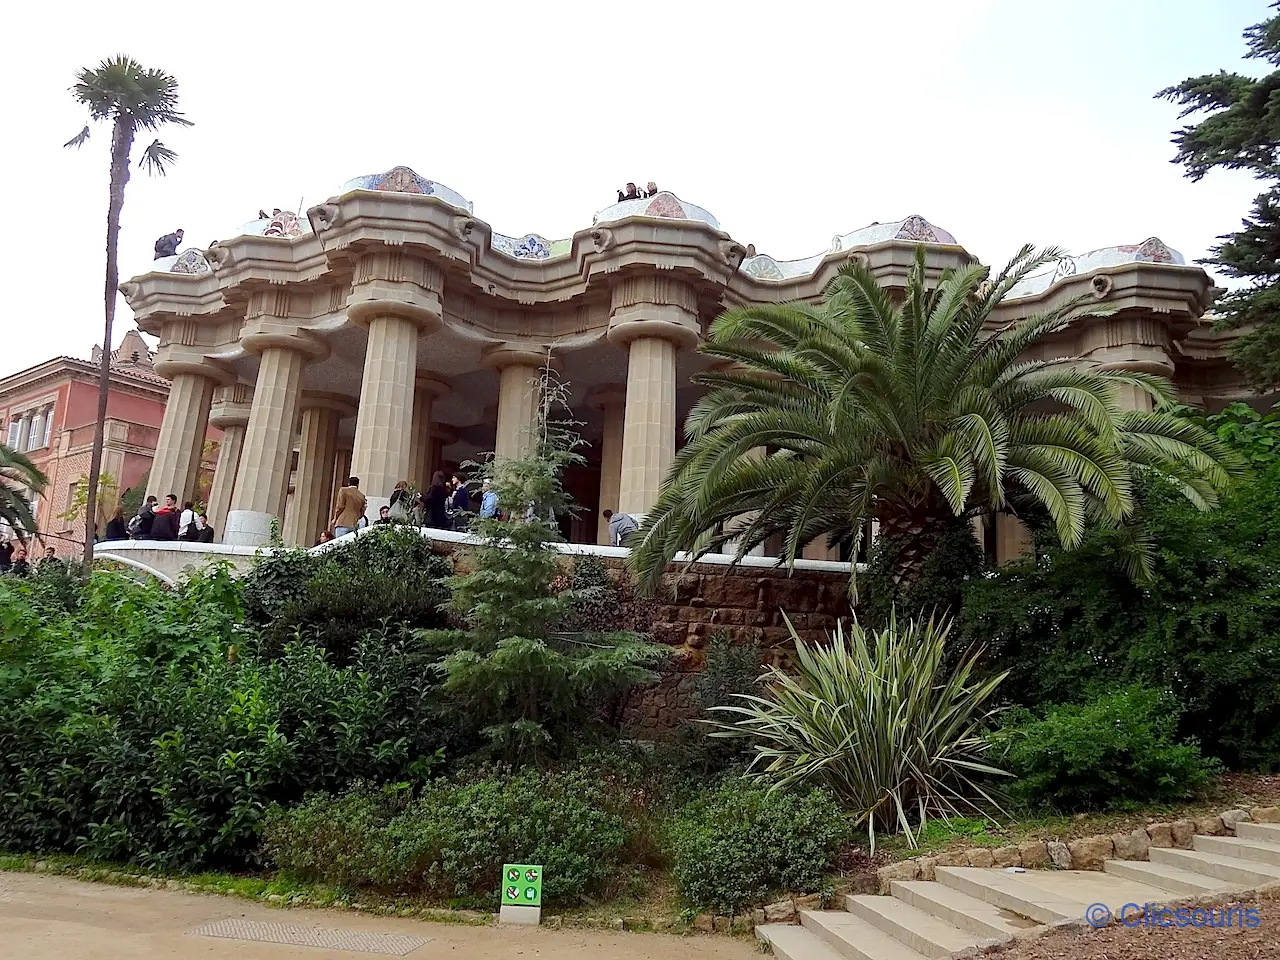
x=732, y=848
x=879, y=719
x=450, y=841
x=1117, y=749
x=388, y=578
x=1207, y=626
x=132, y=727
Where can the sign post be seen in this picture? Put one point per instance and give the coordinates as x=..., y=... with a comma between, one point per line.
x=521, y=894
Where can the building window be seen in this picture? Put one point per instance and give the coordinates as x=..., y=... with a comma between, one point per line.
x=36, y=431
x=48, y=426
x=15, y=430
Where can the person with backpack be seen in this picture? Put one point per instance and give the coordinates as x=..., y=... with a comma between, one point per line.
x=164, y=524
x=187, y=528
x=140, y=526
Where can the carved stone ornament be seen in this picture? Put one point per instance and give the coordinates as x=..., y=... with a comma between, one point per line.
x=732, y=252
x=1101, y=287
x=462, y=227
x=602, y=237
x=218, y=256
x=327, y=215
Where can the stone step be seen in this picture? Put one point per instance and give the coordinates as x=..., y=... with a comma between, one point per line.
x=1263, y=851
x=1009, y=892
x=1259, y=831
x=795, y=943
x=922, y=932
x=1164, y=876
x=853, y=938
x=1232, y=870
x=984, y=920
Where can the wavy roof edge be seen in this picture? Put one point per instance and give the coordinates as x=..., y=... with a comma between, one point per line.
x=289, y=225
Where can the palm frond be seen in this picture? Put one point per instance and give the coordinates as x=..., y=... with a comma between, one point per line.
x=80, y=139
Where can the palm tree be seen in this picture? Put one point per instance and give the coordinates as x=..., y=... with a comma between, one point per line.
x=19, y=478
x=909, y=412
x=133, y=99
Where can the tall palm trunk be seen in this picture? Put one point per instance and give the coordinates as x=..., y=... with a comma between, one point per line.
x=121, y=144
x=915, y=535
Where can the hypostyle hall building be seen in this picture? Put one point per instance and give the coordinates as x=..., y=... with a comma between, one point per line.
x=389, y=331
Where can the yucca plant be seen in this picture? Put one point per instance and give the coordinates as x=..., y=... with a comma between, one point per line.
x=878, y=719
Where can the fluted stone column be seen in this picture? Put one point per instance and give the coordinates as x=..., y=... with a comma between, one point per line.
x=341, y=471
x=397, y=296
x=309, y=508
x=610, y=401
x=745, y=520
x=426, y=391
x=1135, y=341
x=262, y=481
x=517, y=366
x=181, y=443
x=441, y=436
x=653, y=317
x=230, y=414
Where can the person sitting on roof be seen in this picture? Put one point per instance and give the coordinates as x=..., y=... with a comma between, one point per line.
x=631, y=193
x=167, y=246
x=651, y=189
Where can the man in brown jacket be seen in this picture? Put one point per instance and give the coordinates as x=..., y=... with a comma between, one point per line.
x=348, y=509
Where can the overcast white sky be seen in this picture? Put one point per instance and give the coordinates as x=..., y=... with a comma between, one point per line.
x=1003, y=121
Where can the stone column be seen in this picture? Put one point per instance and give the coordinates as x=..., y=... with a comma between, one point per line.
x=181, y=443
x=1133, y=340
x=230, y=414
x=397, y=296
x=341, y=471
x=517, y=366
x=284, y=347
x=426, y=391
x=653, y=317
x=309, y=509
x=1013, y=539
x=442, y=435
x=611, y=402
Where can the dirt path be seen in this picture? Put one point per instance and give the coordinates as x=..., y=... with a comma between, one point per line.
x=54, y=918
x=1117, y=942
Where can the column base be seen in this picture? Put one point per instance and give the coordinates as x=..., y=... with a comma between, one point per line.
x=248, y=528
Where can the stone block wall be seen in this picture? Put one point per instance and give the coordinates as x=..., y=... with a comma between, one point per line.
x=749, y=605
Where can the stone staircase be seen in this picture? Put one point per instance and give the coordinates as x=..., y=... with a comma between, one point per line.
x=967, y=907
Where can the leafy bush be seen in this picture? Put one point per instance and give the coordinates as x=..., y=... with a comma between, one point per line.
x=736, y=845
x=1207, y=626
x=1117, y=749
x=451, y=839
x=878, y=720
x=388, y=577
x=132, y=727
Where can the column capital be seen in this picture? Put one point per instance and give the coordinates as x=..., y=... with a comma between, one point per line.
x=514, y=353
x=648, y=305
x=266, y=331
x=174, y=359
x=437, y=387
x=339, y=403
x=231, y=406
x=393, y=283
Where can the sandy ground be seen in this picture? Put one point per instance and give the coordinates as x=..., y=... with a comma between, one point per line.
x=54, y=918
x=1187, y=943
